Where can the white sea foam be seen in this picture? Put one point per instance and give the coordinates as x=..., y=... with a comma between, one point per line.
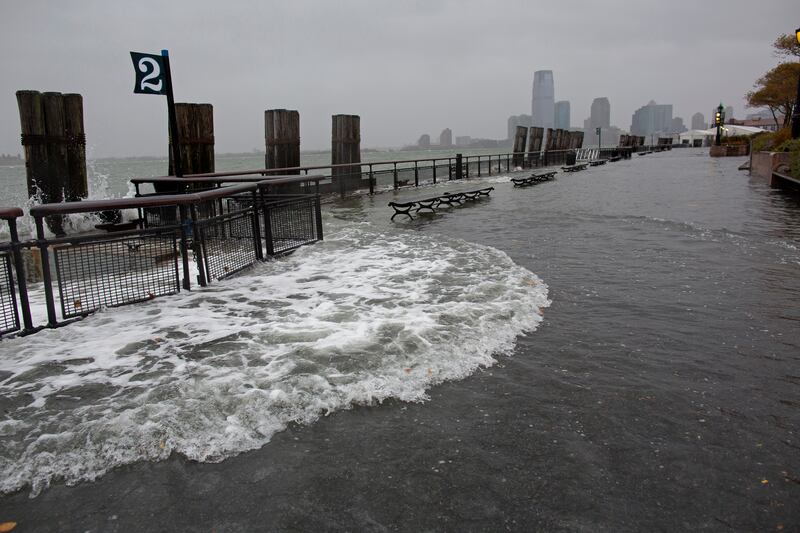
x=360, y=318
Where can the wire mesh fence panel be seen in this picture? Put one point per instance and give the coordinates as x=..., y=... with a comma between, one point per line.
x=227, y=242
x=116, y=271
x=292, y=223
x=9, y=316
x=161, y=216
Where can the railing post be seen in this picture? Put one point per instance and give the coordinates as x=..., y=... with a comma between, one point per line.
x=52, y=320
x=459, y=167
x=508, y=163
x=449, y=169
x=490, y=165
x=268, y=231
x=395, y=176
x=186, y=227
x=479, y=166
x=256, y=228
x=434, y=172
x=19, y=266
x=371, y=182
x=318, y=214
x=416, y=175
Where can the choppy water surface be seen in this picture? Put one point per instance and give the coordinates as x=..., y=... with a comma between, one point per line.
x=661, y=390
x=366, y=315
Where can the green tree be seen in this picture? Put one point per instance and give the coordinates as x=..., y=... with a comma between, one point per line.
x=776, y=90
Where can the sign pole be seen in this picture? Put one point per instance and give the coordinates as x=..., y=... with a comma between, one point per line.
x=177, y=166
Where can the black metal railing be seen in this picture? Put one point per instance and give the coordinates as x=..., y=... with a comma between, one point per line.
x=223, y=229
x=373, y=175
x=13, y=289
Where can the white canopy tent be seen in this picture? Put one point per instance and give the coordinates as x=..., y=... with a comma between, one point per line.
x=709, y=134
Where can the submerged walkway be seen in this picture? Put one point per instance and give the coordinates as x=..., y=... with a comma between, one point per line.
x=661, y=391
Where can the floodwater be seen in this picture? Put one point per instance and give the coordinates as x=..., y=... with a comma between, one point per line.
x=616, y=350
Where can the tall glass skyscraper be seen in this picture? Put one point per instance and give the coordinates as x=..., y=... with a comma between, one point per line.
x=562, y=117
x=543, y=99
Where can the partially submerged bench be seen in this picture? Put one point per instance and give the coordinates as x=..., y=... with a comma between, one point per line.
x=431, y=204
x=598, y=162
x=533, y=179
x=575, y=168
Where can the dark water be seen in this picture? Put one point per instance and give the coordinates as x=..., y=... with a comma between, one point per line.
x=662, y=391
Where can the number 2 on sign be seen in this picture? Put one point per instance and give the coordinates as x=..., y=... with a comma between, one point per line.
x=150, y=67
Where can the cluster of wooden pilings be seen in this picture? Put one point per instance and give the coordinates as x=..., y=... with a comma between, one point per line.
x=556, y=139
x=54, y=143
x=631, y=140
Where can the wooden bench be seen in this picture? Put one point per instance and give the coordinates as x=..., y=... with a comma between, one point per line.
x=533, y=179
x=575, y=168
x=598, y=162
x=448, y=199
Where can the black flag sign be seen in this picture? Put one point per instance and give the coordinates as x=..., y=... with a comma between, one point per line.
x=150, y=76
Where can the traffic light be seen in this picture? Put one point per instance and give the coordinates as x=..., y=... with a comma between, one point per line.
x=718, y=119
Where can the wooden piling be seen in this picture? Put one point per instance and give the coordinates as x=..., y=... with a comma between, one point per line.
x=282, y=138
x=519, y=146
x=55, y=148
x=346, y=148
x=196, y=138
x=534, y=145
x=77, y=184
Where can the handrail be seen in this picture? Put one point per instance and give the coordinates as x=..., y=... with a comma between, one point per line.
x=87, y=206
x=10, y=213
x=268, y=172
x=232, y=178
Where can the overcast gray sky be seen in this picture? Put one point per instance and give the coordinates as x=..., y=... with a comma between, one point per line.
x=406, y=67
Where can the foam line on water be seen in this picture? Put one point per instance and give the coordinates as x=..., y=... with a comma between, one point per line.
x=363, y=317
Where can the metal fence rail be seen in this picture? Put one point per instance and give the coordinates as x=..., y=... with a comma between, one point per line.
x=223, y=229
x=291, y=222
x=9, y=316
x=228, y=243
x=108, y=272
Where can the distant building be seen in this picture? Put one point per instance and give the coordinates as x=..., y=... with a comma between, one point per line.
x=464, y=140
x=699, y=122
x=600, y=116
x=446, y=137
x=542, y=99
x=517, y=120
x=652, y=119
x=728, y=112
x=758, y=122
x=562, y=118
x=677, y=125
x=424, y=141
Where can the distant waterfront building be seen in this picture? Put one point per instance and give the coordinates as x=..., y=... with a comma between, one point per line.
x=446, y=137
x=600, y=116
x=464, y=140
x=728, y=112
x=699, y=122
x=543, y=99
x=517, y=120
x=677, y=125
x=562, y=118
x=424, y=141
x=652, y=119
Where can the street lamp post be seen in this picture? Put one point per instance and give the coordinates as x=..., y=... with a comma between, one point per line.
x=796, y=112
x=599, y=133
x=719, y=119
